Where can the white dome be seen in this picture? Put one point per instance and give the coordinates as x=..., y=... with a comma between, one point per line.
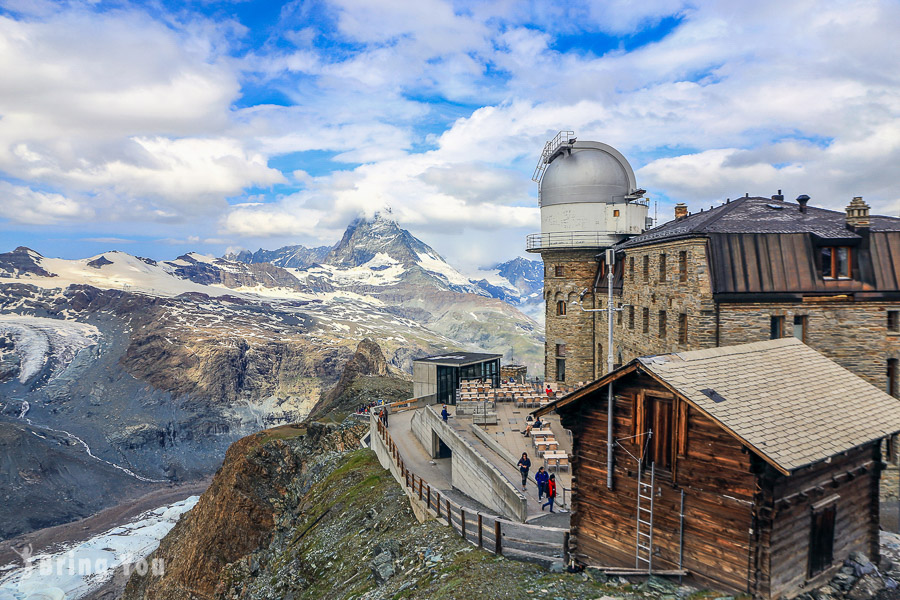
x=592, y=172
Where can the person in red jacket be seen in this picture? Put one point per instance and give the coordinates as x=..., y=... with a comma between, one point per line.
x=551, y=493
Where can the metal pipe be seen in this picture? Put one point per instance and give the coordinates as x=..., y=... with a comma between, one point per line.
x=681, y=538
x=610, y=256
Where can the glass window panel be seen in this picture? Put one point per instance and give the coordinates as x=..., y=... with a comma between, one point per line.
x=842, y=262
x=826, y=262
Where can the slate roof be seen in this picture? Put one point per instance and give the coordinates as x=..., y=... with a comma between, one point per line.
x=791, y=404
x=759, y=215
x=788, y=403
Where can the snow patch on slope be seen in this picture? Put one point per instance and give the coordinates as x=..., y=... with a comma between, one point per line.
x=75, y=572
x=436, y=265
x=126, y=272
x=38, y=339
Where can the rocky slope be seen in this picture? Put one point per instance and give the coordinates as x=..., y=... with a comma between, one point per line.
x=295, y=516
x=367, y=377
x=47, y=478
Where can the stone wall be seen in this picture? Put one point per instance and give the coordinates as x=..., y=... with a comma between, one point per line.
x=646, y=295
x=575, y=329
x=853, y=334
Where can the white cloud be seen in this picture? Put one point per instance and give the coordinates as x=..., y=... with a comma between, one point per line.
x=445, y=107
x=24, y=205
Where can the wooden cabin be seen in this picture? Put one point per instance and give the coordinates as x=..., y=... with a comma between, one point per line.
x=772, y=449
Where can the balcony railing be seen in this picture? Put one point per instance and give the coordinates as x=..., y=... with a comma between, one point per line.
x=537, y=242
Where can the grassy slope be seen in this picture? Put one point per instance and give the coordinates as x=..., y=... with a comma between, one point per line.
x=326, y=553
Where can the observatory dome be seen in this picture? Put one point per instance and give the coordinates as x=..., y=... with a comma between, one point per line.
x=587, y=174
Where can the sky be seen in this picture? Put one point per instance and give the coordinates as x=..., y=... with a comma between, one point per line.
x=165, y=127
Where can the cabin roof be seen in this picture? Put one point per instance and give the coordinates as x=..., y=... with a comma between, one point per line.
x=787, y=402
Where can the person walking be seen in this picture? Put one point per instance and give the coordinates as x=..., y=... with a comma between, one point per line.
x=444, y=413
x=541, y=478
x=551, y=493
x=524, y=464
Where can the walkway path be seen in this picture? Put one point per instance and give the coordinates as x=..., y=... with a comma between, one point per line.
x=509, y=434
x=436, y=472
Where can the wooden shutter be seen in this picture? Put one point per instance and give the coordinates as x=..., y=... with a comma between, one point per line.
x=821, y=536
x=682, y=428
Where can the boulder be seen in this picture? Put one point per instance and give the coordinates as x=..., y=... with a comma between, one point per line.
x=867, y=587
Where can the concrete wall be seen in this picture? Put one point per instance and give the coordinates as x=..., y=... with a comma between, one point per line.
x=424, y=379
x=472, y=473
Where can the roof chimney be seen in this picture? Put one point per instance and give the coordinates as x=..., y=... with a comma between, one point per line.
x=857, y=213
x=681, y=210
x=778, y=196
x=802, y=200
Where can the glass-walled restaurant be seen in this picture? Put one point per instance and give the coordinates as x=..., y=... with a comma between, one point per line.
x=449, y=378
x=441, y=375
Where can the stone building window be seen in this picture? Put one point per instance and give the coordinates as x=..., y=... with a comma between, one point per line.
x=619, y=315
x=561, y=308
x=776, y=327
x=892, y=377
x=800, y=327
x=560, y=369
x=631, y=316
x=662, y=324
x=646, y=267
x=631, y=268
x=559, y=271
x=682, y=329
x=893, y=320
x=836, y=262
x=682, y=265
x=561, y=350
x=645, y=326
x=662, y=267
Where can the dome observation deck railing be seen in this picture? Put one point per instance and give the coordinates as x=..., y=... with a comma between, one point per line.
x=536, y=242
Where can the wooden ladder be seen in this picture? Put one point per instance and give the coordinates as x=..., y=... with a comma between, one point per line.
x=644, y=543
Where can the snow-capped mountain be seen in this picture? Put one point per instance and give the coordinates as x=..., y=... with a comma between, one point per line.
x=517, y=281
x=151, y=368
x=378, y=253
x=372, y=254
x=292, y=257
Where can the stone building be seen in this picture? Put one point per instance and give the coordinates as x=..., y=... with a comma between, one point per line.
x=761, y=268
x=750, y=269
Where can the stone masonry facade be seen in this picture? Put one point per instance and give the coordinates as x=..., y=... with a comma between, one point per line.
x=666, y=302
x=569, y=336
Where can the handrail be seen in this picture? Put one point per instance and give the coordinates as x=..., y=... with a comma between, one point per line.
x=568, y=239
x=473, y=525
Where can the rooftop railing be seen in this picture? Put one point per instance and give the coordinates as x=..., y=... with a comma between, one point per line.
x=536, y=242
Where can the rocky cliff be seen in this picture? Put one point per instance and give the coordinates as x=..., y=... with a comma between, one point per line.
x=367, y=377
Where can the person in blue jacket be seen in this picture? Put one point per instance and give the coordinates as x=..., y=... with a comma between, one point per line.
x=541, y=478
x=444, y=413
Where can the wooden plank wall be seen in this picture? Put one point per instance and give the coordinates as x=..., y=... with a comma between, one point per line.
x=854, y=478
x=715, y=475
